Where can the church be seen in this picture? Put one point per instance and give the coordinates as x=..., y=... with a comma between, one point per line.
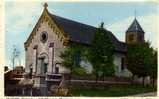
x=53, y=33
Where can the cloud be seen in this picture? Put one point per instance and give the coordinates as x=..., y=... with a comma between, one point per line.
x=20, y=18
x=21, y=15
x=23, y=8
x=149, y=23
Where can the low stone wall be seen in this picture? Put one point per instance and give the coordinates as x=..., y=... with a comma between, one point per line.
x=140, y=80
x=94, y=84
x=92, y=78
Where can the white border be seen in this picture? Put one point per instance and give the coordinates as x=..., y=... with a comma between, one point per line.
x=2, y=41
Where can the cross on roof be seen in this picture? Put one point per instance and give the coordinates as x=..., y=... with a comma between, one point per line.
x=45, y=5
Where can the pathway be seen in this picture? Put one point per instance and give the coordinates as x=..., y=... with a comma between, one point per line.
x=149, y=94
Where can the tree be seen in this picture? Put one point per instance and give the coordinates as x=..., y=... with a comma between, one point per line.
x=71, y=56
x=139, y=59
x=79, y=71
x=100, y=53
x=15, y=55
x=153, y=67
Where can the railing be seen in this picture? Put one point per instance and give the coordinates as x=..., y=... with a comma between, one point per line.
x=53, y=77
x=61, y=83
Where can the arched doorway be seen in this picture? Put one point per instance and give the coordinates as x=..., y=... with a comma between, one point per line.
x=44, y=59
x=57, y=67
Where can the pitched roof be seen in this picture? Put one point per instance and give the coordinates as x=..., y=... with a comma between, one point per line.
x=83, y=33
x=135, y=27
x=78, y=32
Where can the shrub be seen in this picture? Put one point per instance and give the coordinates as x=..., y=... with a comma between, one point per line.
x=79, y=71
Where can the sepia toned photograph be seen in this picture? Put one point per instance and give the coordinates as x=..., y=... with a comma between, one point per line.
x=80, y=49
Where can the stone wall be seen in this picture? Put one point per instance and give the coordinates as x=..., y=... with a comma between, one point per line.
x=118, y=62
x=53, y=37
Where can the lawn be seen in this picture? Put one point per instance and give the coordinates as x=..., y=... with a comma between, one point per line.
x=110, y=91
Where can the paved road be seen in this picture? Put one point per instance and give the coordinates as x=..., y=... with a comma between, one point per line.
x=153, y=94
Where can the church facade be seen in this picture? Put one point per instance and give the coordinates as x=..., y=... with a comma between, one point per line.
x=53, y=33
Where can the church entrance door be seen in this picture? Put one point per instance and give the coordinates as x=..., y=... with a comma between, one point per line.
x=44, y=68
x=44, y=63
x=56, y=70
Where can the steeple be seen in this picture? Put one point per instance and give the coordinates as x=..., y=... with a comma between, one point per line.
x=135, y=14
x=135, y=27
x=135, y=33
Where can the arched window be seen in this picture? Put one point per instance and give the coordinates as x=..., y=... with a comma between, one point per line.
x=141, y=38
x=30, y=71
x=44, y=36
x=57, y=65
x=122, y=63
x=45, y=67
x=131, y=37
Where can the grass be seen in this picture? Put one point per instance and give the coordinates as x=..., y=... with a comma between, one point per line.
x=110, y=91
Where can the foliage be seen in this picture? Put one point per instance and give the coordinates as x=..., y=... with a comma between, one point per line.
x=79, y=71
x=72, y=55
x=140, y=59
x=153, y=66
x=100, y=54
x=110, y=91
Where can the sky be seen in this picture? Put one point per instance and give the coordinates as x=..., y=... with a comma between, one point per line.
x=21, y=17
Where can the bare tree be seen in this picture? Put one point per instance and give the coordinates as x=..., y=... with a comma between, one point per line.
x=15, y=55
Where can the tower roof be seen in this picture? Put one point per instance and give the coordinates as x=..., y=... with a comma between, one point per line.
x=135, y=27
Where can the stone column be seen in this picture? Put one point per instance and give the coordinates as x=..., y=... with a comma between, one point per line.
x=51, y=58
x=35, y=59
x=23, y=92
x=31, y=92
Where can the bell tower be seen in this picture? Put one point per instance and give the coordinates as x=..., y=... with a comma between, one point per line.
x=135, y=33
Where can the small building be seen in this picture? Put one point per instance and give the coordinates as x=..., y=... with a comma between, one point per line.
x=6, y=68
x=19, y=70
x=12, y=79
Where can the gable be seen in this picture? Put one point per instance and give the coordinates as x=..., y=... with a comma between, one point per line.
x=46, y=18
x=70, y=30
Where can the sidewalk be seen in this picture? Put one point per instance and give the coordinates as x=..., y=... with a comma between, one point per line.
x=153, y=94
